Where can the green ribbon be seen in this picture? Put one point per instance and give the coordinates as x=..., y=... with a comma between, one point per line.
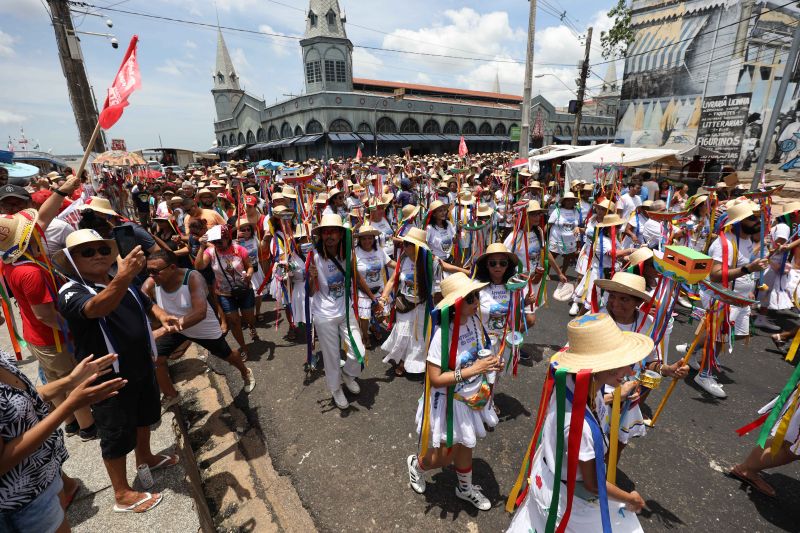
x=348, y=280
x=445, y=365
x=561, y=401
x=776, y=409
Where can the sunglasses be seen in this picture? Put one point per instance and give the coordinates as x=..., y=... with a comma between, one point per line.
x=470, y=298
x=156, y=271
x=502, y=263
x=90, y=252
x=246, y=229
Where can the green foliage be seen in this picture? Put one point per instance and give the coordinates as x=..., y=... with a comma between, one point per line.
x=615, y=42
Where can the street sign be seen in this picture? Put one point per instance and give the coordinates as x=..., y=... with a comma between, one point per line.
x=514, y=133
x=118, y=144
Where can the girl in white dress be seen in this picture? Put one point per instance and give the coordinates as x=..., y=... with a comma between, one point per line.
x=371, y=263
x=439, y=235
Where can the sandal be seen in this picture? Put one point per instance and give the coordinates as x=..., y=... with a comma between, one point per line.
x=757, y=483
x=254, y=335
x=165, y=462
x=778, y=341
x=132, y=507
x=399, y=370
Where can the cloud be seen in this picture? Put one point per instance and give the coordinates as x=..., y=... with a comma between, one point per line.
x=366, y=64
x=27, y=9
x=9, y=117
x=177, y=67
x=280, y=47
x=6, y=44
x=190, y=44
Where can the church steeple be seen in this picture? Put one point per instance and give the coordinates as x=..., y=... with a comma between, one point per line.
x=224, y=75
x=327, y=52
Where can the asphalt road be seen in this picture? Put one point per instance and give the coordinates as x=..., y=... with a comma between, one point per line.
x=349, y=467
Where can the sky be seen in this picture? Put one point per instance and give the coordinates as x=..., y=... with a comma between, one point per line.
x=174, y=107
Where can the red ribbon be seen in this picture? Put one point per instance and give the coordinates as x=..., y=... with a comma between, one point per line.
x=582, y=381
x=744, y=430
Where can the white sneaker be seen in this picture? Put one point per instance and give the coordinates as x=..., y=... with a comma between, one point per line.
x=415, y=478
x=684, y=302
x=710, y=385
x=682, y=348
x=475, y=497
x=339, y=399
x=573, y=311
x=351, y=383
x=763, y=322
x=250, y=382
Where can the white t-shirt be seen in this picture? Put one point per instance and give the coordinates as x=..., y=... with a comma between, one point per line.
x=494, y=300
x=629, y=204
x=745, y=284
x=440, y=240
x=56, y=236
x=328, y=301
x=370, y=264
x=518, y=247
x=470, y=340
x=385, y=240
x=563, y=223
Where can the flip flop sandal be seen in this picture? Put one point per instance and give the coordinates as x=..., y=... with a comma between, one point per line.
x=132, y=507
x=755, y=483
x=166, y=462
x=399, y=371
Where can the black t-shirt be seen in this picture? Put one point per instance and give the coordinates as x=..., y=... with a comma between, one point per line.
x=126, y=324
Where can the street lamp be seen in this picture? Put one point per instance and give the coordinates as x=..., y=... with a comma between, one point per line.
x=559, y=79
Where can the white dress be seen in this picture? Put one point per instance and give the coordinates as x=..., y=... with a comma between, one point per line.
x=406, y=342
x=585, y=515
x=251, y=245
x=371, y=265
x=468, y=423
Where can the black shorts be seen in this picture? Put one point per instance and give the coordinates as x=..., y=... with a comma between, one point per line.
x=166, y=344
x=137, y=405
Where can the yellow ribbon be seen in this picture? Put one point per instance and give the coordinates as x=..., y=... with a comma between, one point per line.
x=793, y=347
x=613, y=437
x=783, y=426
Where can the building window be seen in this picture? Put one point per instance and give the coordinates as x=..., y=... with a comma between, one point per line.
x=431, y=126
x=469, y=128
x=500, y=129
x=298, y=131
x=386, y=125
x=313, y=127
x=331, y=16
x=223, y=141
x=313, y=71
x=286, y=130
x=250, y=137
x=241, y=138
x=312, y=19
x=335, y=71
x=261, y=135
x=409, y=125
x=272, y=134
x=451, y=128
x=340, y=126
x=341, y=76
x=330, y=74
x=364, y=128
x=568, y=131
x=485, y=129
x=559, y=131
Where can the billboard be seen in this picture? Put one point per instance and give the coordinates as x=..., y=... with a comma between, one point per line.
x=722, y=125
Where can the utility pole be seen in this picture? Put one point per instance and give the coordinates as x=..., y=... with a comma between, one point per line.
x=525, y=129
x=582, y=87
x=80, y=93
x=791, y=62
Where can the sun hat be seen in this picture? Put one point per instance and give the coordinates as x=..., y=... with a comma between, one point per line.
x=569, y=195
x=77, y=238
x=484, y=210
x=564, y=291
x=457, y=286
x=466, y=198
x=639, y=256
x=100, y=205
x=277, y=196
x=300, y=231
x=525, y=173
x=498, y=248
x=607, y=204
x=329, y=221
x=436, y=204
x=333, y=192
x=626, y=283
x=366, y=230
x=408, y=212
x=740, y=211
x=789, y=208
x=288, y=192
x=587, y=187
x=203, y=191
x=534, y=207
x=417, y=237
x=322, y=198
x=16, y=233
x=695, y=201
x=251, y=190
x=596, y=343
x=611, y=219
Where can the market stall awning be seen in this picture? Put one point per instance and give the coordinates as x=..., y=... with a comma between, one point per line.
x=259, y=146
x=583, y=167
x=305, y=140
x=235, y=149
x=556, y=151
x=344, y=138
x=366, y=136
x=663, y=46
x=390, y=137
x=451, y=137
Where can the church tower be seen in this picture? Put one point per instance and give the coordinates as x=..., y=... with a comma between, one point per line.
x=608, y=99
x=226, y=91
x=327, y=52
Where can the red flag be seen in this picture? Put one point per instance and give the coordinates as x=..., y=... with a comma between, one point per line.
x=126, y=81
x=358, y=154
x=521, y=162
x=462, y=148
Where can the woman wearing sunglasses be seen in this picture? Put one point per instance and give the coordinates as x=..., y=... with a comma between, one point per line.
x=232, y=271
x=247, y=238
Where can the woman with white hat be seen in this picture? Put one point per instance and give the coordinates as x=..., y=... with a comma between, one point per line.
x=564, y=230
x=439, y=235
x=331, y=307
x=528, y=243
x=567, y=479
x=336, y=204
x=455, y=409
x=378, y=219
x=694, y=231
x=246, y=238
x=371, y=264
x=405, y=347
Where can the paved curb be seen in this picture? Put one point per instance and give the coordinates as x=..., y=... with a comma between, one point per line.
x=240, y=484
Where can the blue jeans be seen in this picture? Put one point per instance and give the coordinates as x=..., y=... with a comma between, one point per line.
x=43, y=515
x=231, y=304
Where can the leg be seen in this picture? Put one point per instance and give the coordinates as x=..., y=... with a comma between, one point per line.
x=351, y=366
x=124, y=495
x=328, y=336
x=236, y=361
x=71, y=487
x=235, y=327
x=436, y=458
x=363, y=325
x=760, y=459
x=163, y=378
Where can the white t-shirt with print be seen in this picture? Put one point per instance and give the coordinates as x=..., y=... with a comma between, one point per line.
x=440, y=240
x=370, y=264
x=328, y=300
x=745, y=284
x=495, y=300
x=470, y=340
x=385, y=239
x=518, y=247
x=563, y=223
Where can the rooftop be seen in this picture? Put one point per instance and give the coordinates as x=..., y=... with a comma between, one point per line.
x=363, y=84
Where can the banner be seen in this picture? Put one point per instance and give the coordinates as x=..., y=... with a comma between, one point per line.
x=722, y=125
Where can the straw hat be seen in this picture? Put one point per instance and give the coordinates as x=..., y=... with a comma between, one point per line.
x=611, y=219
x=76, y=238
x=498, y=248
x=695, y=201
x=534, y=207
x=322, y=198
x=638, y=257
x=288, y=192
x=789, y=208
x=626, y=283
x=525, y=173
x=16, y=233
x=741, y=211
x=333, y=192
x=607, y=204
x=329, y=221
x=251, y=190
x=100, y=205
x=457, y=286
x=203, y=191
x=569, y=195
x=436, y=204
x=300, y=232
x=366, y=230
x=596, y=343
x=409, y=211
x=417, y=237
x=384, y=199
x=587, y=187
x=466, y=198
x=484, y=210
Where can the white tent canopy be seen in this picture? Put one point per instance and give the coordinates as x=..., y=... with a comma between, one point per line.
x=556, y=151
x=582, y=167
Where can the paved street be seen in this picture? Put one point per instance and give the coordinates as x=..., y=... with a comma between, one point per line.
x=349, y=468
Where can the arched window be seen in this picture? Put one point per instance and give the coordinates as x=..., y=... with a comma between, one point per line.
x=250, y=137
x=469, y=128
x=313, y=127
x=450, y=128
x=485, y=129
x=583, y=130
x=500, y=129
x=313, y=67
x=605, y=131
x=409, y=125
x=286, y=130
x=568, y=130
x=312, y=19
x=298, y=130
x=431, y=126
x=340, y=125
x=223, y=141
x=241, y=138
x=331, y=16
x=261, y=135
x=611, y=130
x=386, y=125
x=559, y=131
x=272, y=133
x=364, y=128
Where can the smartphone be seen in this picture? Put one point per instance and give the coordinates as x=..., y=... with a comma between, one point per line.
x=126, y=240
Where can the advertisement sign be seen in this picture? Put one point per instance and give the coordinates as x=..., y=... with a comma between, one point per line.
x=722, y=125
x=514, y=133
x=118, y=144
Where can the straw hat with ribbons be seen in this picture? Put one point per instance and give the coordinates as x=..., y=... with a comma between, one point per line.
x=498, y=248
x=534, y=207
x=408, y=212
x=740, y=211
x=15, y=233
x=626, y=283
x=611, y=219
x=484, y=210
x=417, y=237
x=329, y=221
x=457, y=286
x=100, y=205
x=638, y=257
x=367, y=230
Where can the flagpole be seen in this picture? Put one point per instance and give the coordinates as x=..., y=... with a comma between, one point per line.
x=85, y=157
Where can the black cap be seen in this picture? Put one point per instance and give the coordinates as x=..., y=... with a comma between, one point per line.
x=14, y=191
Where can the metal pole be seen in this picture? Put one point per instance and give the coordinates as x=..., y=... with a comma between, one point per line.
x=582, y=87
x=525, y=128
x=791, y=61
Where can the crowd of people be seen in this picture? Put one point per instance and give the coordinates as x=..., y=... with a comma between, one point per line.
x=439, y=263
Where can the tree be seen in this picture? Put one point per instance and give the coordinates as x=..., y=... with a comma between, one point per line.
x=615, y=42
